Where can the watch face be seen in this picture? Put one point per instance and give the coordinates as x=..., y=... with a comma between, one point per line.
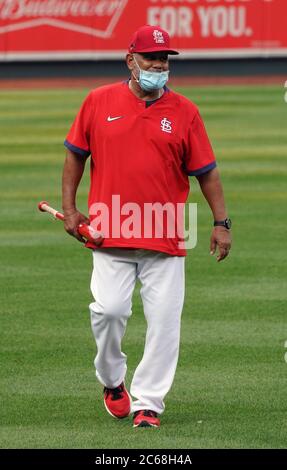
x=228, y=223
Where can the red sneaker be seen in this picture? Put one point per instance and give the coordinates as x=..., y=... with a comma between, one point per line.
x=146, y=419
x=117, y=401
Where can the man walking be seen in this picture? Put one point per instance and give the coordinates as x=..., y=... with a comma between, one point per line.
x=144, y=141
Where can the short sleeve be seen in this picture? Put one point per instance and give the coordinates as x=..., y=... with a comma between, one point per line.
x=78, y=138
x=199, y=156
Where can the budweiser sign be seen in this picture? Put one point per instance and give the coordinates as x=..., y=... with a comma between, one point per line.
x=65, y=14
x=102, y=29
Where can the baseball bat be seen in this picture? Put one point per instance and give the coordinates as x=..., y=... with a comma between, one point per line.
x=84, y=230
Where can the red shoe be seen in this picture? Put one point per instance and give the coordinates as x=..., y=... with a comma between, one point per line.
x=117, y=401
x=146, y=419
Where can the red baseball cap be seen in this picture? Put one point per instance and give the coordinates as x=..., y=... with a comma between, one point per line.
x=151, y=39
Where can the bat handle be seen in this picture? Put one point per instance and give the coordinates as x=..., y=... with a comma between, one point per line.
x=43, y=206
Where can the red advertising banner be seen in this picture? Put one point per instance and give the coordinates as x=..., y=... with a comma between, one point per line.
x=96, y=29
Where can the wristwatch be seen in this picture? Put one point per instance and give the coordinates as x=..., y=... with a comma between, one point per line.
x=223, y=223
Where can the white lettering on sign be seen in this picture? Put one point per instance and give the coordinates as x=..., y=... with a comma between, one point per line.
x=176, y=21
x=63, y=14
x=223, y=21
x=207, y=1
x=16, y=9
x=217, y=21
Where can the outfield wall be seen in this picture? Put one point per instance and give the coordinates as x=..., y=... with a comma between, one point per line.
x=187, y=68
x=37, y=30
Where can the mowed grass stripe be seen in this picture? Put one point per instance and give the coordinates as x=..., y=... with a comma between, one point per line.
x=230, y=385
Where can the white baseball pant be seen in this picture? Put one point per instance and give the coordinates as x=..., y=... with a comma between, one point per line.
x=113, y=280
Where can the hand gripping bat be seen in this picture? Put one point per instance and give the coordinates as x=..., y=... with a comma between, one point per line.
x=86, y=231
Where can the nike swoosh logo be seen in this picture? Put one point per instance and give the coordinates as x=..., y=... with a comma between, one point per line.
x=113, y=118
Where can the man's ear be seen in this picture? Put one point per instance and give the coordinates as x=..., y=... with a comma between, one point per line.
x=130, y=61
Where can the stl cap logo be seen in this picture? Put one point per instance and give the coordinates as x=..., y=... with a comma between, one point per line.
x=166, y=125
x=158, y=36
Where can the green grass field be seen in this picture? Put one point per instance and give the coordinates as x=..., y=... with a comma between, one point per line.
x=231, y=381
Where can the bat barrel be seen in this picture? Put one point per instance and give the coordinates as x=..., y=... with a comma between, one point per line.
x=90, y=234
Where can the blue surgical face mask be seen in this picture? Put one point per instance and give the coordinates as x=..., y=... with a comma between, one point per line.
x=150, y=81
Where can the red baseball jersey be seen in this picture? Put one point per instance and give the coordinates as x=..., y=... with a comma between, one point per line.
x=141, y=157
